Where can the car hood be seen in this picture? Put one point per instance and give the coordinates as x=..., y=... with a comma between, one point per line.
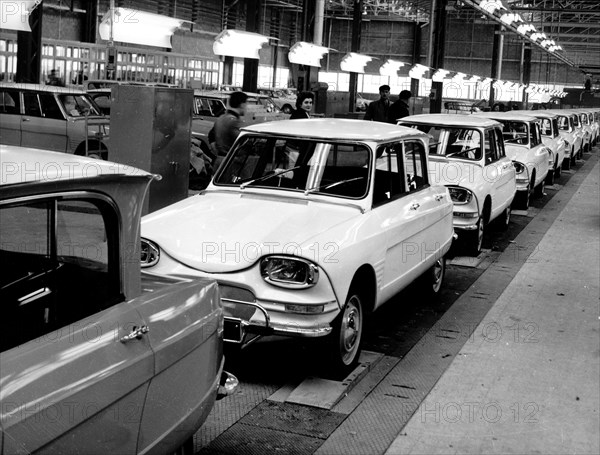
x=515, y=151
x=444, y=171
x=219, y=232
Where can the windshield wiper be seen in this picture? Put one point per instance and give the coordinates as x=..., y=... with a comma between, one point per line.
x=330, y=185
x=267, y=176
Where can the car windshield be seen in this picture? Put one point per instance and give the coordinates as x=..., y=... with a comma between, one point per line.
x=462, y=143
x=563, y=123
x=79, y=105
x=515, y=132
x=303, y=165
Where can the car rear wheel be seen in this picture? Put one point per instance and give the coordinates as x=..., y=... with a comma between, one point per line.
x=474, y=239
x=540, y=189
x=557, y=169
x=287, y=109
x=344, y=343
x=550, y=177
x=433, y=279
x=504, y=219
x=187, y=448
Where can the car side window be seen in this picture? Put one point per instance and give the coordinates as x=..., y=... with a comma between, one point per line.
x=9, y=102
x=59, y=264
x=415, y=165
x=491, y=149
x=32, y=104
x=388, y=177
x=546, y=127
x=50, y=107
x=501, y=152
x=536, y=138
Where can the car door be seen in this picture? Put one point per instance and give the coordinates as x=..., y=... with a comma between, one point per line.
x=403, y=202
x=501, y=170
x=43, y=124
x=10, y=117
x=71, y=382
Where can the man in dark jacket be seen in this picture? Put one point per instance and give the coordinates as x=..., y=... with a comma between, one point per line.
x=400, y=108
x=227, y=126
x=378, y=110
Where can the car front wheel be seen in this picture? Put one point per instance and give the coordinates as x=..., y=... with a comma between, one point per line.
x=345, y=340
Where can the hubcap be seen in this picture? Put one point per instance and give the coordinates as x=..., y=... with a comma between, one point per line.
x=351, y=330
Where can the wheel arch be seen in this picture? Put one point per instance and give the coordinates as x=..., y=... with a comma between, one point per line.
x=365, y=279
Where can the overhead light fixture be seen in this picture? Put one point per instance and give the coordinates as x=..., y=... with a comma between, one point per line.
x=238, y=43
x=303, y=53
x=491, y=5
x=138, y=27
x=418, y=71
x=458, y=76
x=15, y=14
x=391, y=67
x=439, y=75
x=354, y=62
x=511, y=18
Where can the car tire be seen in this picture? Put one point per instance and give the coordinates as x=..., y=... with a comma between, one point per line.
x=504, y=219
x=287, y=109
x=550, y=177
x=539, y=190
x=566, y=164
x=474, y=239
x=557, y=170
x=433, y=278
x=521, y=200
x=345, y=341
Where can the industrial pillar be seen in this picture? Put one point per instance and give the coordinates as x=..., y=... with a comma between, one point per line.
x=355, y=47
x=29, y=50
x=526, y=72
x=437, y=53
x=253, y=24
x=497, y=50
x=416, y=57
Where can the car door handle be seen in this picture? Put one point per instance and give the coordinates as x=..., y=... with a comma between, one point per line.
x=415, y=206
x=135, y=334
x=34, y=296
x=439, y=197
x=25, y=119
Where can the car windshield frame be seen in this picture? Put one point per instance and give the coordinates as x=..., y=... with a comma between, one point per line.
x=81, y=105
x=337, y=168
x=512, y=132
x=440, y=136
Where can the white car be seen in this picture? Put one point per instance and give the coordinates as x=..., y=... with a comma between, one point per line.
x=590, y=124
x=568, y=131
x=467, y=155
x=308, y=226
x=552, y=139
x=523, y=143
x=586, y=127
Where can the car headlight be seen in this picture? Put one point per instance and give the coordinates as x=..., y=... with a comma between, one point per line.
x=289, y=272
x=460, y=195
x=522, y=172
x=150, y=253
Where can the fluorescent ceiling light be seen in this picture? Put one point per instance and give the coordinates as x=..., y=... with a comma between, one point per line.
x=238, y=43
x=303, y=53
x=15, y=14
x=491, y=5
x=138, y=27
x=439, y=75
x=391, y=68
x=354, y=63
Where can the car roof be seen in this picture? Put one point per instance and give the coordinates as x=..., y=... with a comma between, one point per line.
x=41, y=87
x=335, y=129
x=542, y=113
x=24, y=164
x=516, y=115
x=450, y=120
x=565, y=112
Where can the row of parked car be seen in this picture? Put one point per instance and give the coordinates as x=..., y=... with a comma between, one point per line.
x=113, y=325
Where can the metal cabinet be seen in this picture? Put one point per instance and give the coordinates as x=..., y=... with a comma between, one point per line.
x=150, y=128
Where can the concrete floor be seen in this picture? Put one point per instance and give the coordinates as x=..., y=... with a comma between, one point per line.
x=527, y=381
